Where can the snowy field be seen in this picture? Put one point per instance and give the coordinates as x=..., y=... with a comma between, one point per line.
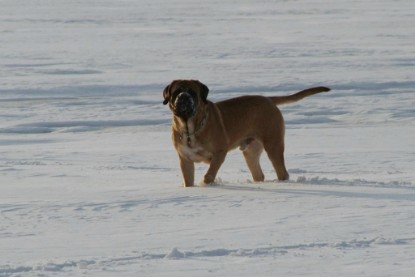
x=90, y=182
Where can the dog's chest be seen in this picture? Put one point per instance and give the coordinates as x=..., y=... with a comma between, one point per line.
x=195, y=152
x=190, y=147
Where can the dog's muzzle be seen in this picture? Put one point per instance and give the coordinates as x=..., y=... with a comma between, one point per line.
x=184, y=106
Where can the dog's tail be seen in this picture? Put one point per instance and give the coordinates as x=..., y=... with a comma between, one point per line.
x=281, y=100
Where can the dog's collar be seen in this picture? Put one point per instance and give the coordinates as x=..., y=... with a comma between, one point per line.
x=188, y=135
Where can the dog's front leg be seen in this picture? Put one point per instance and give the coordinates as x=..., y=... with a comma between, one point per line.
x=217, y=160
x=188, y=171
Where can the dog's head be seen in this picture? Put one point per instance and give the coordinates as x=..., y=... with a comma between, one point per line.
x=185, y=97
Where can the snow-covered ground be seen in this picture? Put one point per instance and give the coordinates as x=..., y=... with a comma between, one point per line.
x=89, y=180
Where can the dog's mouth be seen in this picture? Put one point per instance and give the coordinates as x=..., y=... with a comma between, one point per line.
x=184, y=105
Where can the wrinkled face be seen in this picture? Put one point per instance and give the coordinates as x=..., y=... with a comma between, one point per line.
x=184, y=97
x=185, y=102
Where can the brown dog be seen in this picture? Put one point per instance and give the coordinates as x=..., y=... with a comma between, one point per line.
x=204, y=131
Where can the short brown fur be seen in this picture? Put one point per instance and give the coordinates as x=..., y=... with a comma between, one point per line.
x=252, y=123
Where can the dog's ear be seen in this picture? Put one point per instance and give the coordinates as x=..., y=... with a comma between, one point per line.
x=166, y=95
x=204, y=91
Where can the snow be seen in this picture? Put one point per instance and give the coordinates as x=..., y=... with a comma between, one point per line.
x=90, y=182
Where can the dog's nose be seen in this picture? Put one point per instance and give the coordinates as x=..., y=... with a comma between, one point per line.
x=184, y=99
x=184, y=106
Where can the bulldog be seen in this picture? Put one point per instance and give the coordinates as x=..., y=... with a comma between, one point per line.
x=203, y=131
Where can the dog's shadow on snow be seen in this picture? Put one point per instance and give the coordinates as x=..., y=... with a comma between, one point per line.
x=375, y=193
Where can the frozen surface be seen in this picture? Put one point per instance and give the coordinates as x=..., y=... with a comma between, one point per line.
x=89, y=180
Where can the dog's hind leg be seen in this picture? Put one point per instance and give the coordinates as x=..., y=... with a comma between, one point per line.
x=275, y=151
x=252, y=150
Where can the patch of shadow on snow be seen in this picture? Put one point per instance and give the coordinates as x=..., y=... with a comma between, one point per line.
x=81, y=91
x=175, y=254
x=330, y=188
x=77, y=126
x=103, y=263
x=279, y=250
x=8, y=270
x=355, y=182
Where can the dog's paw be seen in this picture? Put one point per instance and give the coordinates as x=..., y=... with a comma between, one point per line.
x=187, y=185
x=215, y=182
x=208, y=179
x=202, y=183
